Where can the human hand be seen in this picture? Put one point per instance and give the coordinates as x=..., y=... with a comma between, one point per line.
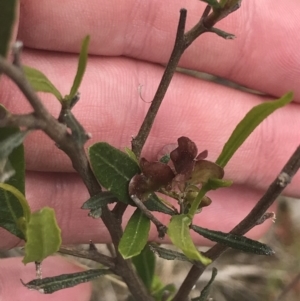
x=128, y=41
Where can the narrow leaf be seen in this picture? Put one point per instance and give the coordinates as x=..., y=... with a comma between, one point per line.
x=83, y=56
x=99, y=200
x=15, y=153
x=247, y=125
x=145, y=266
x=131, y=154
x=135, y=235
x=21, y=198
x=154, y=203
x=113, y=169
x=168, y=254
x=238, y=242
x=40, y=82
x=7, y=20
x=43, y=236
x=205, y=292
x=52, y=284
x=96, y=203
x=179, y=233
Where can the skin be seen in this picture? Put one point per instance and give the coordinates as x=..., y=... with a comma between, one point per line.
x=129, y=41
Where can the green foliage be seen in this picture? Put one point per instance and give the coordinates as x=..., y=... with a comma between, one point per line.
x=162, y=292
x=247, y=125
x=12, y=159
x=212, y=3
x=43, y=236
x=154, y=203
x=14, y=210
x=82, y=61
x=238, y=242
x=40, y=82
x=96, y=202
x=7, y=20
x=168, y=254
x=145, y=266
x=205, y=292
x=135, y=235
x=52, y=284
x=113, y=169
x=179, y=233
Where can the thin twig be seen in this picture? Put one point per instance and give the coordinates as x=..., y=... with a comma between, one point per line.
x=139, y=141
x=89, y=254
x=161, y=228
x=250, y=221
x=58, y=133
x=182, y=42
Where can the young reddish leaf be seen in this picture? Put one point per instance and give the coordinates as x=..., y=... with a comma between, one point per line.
x=183, y=156
x=154, y=176
x=135, y=235
x=205, y=170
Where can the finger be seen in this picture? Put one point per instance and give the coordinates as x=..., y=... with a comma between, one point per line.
x=12, y=270
x=264, y=55
x=66, y=194
x=112, y=111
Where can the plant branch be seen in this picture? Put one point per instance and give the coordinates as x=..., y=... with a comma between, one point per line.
x=90, y=254
x=182, y=42
x=58, y=132
x=139, y=141
x=250, y=221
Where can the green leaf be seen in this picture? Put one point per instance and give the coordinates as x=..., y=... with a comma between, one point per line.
x=212, y=3
x=83, y=56
x=131, y=155
x=168, y=254
x=154, y=203
x=145, y=266
x=205, y=292
x=52, y=284
x=11, y=146
x=179, y=233
x=113, y=169
x=96, y=203
x=40, y=82
x=238, y=242
x=213, y=183
x=8, y=10
x=247, y=125
x=135, y=235
x=14, y=210
x=43, y=236
x=164, y=293
x=99, y=200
